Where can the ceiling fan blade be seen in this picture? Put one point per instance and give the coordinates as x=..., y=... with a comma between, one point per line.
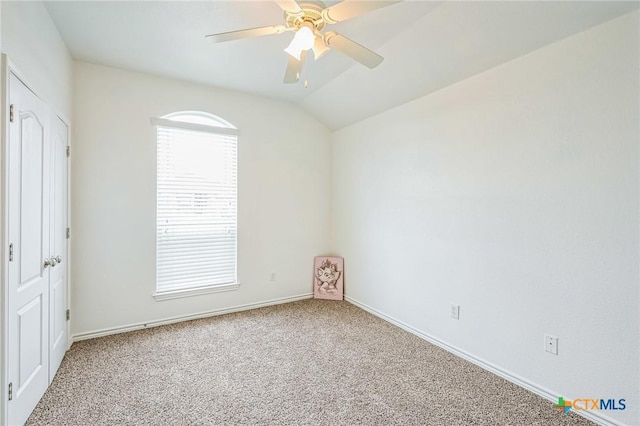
x=319, y=48
x=290, y=6
x=251, y=32
x=352, y=49
x=294, y=67
x=348, y=9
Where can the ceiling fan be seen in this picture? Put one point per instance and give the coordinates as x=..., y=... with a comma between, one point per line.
x=307, y=19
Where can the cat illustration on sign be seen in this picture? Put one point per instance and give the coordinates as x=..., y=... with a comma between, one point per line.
x=327, y=275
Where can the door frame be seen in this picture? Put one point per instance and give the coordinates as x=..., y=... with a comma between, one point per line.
x=7, y=67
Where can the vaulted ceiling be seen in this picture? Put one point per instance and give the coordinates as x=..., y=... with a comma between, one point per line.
x=426, y=45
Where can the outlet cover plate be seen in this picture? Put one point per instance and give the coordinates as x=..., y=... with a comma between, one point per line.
x=455, y=311
x=551, y=344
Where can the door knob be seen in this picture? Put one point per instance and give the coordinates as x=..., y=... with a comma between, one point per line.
x=58, y=259
x=53, y=262
x=47, y=263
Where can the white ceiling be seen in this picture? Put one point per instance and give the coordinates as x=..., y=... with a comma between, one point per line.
x=427, y=45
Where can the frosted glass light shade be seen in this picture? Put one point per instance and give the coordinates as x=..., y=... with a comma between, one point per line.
x=303, y=40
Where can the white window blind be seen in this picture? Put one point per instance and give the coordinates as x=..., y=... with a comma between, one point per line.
x=196, y=206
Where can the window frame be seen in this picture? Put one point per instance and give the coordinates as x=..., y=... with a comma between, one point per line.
x=224, y=128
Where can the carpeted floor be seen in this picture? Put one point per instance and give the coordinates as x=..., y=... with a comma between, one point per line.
x=305, y=363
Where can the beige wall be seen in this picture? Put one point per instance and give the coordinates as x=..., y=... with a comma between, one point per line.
x=283, y=196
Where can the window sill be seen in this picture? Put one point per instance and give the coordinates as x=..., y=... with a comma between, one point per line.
x=177, y=294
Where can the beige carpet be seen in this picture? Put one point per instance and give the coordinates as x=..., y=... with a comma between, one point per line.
x=304, y=363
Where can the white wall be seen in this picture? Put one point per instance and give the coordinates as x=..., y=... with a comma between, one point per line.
x=284, y=211
x=514, y=194
x=33, y=44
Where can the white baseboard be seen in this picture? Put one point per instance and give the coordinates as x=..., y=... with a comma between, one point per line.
x=138, y=326
x=513, y=378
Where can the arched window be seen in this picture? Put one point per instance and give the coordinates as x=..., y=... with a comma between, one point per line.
x=196, y=204
x=199, y=117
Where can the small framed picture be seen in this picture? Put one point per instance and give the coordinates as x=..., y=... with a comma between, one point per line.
x=328, y=278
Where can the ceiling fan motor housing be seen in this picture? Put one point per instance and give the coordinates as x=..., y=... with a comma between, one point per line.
x=312, y=13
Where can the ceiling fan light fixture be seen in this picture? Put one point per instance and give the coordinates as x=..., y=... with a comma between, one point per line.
x=307, y=19
x=303, y=40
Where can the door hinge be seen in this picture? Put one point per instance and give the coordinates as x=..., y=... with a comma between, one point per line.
x=68, y=314
x=68, y=233
x=11, y=252
x=68, y=150
x=11, y=113
x=10, y=391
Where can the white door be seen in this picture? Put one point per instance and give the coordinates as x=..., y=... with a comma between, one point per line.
x=28, y=286
x=58, y=272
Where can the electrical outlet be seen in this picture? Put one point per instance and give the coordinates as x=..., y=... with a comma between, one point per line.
x=455, y=311
x=551, y=344
x=274, y=277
